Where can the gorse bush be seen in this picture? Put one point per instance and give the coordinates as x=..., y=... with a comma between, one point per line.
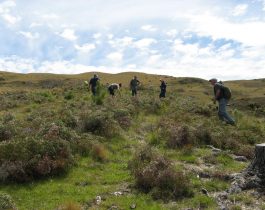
x=100, y=94
x=24, y=160
x=156, y=174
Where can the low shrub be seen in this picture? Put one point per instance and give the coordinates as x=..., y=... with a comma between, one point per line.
x=156, y=174
x=27, y=159
x=6, y=202
x=203, y=135
x=99, y=152
x=69, y=119
x=123, y=117
x=100, y=95
x=69, y=95
x=6, y=132
x=177, y=136
x=99, y=123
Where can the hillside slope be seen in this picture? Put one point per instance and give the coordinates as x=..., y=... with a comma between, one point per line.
x=61, y=148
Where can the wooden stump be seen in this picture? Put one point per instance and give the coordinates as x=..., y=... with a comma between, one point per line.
x=258, y=164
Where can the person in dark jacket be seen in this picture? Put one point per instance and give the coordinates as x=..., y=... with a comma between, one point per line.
x=93, y=84
x=222, y=102
x=163, y=89
x=134, y=85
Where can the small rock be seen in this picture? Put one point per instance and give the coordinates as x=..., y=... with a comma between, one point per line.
x=133, y=206
x=204, y=175
x=205, y=192
x=98, y=200
x=240, y=158
x=117, y=193
x=113, y=207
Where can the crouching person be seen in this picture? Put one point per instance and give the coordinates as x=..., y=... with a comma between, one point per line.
x=112, y=88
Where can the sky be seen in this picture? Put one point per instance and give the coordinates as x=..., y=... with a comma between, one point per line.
x=224, y=39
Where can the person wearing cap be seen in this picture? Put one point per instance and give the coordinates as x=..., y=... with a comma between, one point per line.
x=134, y=85
x=163, y=88
x=114, y=86
x=222, y=102
x=93, y=84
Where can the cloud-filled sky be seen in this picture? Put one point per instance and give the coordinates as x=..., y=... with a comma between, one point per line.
x=196, y=38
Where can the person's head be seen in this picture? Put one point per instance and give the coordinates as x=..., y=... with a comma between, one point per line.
x=95, y=75
x=161, y=80
x=135, y=77
x=120, y=85
x=213, y=81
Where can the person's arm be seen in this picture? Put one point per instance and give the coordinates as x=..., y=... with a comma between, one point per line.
x=89, y=85
x=217, y=95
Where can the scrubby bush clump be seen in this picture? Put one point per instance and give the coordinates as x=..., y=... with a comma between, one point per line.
x=99, y=123
x=123, y=117
x=24, y=160
x=175, y=135
x=6, y=202
x=156, y=174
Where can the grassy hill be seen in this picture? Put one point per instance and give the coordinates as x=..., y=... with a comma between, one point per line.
x=60, y=148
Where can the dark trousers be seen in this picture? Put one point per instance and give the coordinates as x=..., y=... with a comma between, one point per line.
x=94, y=91
x=134, y=92
x=162, y=94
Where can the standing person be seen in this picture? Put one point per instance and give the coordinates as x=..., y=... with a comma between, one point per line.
x=163, y=89
x=112, y=87
x=134, y=85
x=219, y=95
x=93, y=84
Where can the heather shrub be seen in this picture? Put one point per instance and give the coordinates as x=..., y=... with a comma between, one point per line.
x=25, y=159
x=203, y=135
x=69, y=119
x=156, y=174
x=123, y=117
x=245, y=150
x=7, y=117
x=6, y=132
x=99, y=123
x=175, y=135
x=6, y=202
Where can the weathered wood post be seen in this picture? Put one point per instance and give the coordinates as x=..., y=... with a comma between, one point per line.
x=258, y=163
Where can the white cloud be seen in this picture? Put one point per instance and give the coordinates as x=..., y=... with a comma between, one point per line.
x=240, y=9
x=172, y=33
x=6, y=5
x=5, y=10
x=86, y=48
x=50, y=16
x=115, y=57
x=10, y=19
x=121, y=43
x=29, y=35
x=69, y=34
x=97, y=35
x=149, y=28
x=250, y=33
x=144, y=43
